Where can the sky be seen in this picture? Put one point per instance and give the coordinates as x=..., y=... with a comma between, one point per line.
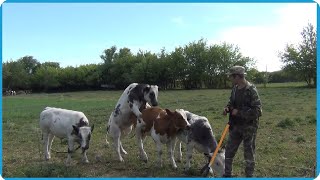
x=74, y=34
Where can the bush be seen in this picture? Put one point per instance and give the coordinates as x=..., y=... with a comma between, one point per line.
x=311, y=119
x=300, y=139
x=286, y=123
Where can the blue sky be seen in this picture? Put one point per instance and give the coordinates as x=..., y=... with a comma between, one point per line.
x=75, y=34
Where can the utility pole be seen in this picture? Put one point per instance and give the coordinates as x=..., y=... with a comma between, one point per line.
x=265, y=77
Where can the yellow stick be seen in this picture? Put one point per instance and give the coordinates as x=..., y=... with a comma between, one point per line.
x=220, y=142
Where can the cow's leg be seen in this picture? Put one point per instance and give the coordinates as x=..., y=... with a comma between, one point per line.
x=179, y=159
x=122, y=150
x=135, y=109
x=84, y=157
x=116, y=133
x=207, y=160
x=126, y=131
x=170, y=147
x=109, y=123
x=70, y=151
x=50, y=140
x=189, y=155
x=45, y=136
x=159, y=149
x=107, y=142
x=143, y=155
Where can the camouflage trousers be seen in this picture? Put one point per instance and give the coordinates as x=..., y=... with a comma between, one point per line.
x=237, y=134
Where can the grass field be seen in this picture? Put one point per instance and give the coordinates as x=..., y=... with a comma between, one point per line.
x=285, y=145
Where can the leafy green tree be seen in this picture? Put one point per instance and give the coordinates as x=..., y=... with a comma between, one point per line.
x=143, y=70
x=46, y=78
x=15, y=76
x=51, y=64
x=108, y=58
x=177, y=69
x=302, y=59
x=195, y=54
x=229, y=55
x=29, y=64
x=67, y=78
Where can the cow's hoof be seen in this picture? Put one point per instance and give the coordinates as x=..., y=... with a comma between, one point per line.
x=68, y=163
x=47, y=158
x=144, y=158
x=124, y=152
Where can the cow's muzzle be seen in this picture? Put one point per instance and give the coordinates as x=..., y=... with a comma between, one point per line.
x=84, y=148
x=154, y=104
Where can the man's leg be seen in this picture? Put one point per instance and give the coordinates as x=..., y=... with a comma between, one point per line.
x=249, y=150
x=232, y=146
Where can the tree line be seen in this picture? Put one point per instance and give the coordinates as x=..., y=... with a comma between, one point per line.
x=193, y=66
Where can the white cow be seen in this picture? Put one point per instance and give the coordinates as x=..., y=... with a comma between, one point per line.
x=134, y=98
x=63, y=123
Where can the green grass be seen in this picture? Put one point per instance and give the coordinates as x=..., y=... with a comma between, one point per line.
x=280, y=152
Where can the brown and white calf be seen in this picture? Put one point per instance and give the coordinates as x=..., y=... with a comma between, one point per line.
x=63, y=123
x=163, y=126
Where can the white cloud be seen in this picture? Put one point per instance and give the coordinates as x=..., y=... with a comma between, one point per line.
x=178, y=20
x=264, y=42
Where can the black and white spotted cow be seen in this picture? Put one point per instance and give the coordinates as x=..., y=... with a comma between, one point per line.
x=200, y=136
x=134, y=98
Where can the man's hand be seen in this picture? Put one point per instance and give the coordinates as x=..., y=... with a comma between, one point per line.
x=234, y=112
x=225, y=111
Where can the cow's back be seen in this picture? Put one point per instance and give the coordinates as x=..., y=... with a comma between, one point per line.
x=124, y=96
x=200, y=127
x=60, y=121
x=150, y=115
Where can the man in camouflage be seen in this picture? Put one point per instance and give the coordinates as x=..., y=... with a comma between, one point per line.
x=244, y=108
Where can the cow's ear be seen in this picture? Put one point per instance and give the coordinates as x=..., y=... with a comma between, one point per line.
x=76, y=129
x=146, y=89
x=92, y=127
x=169, y=112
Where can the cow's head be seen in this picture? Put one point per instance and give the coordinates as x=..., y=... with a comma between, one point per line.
x=219, y=162
x=150, y=93
x=84, y=135
x=179, y=118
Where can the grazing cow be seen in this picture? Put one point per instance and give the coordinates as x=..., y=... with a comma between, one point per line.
x=63, y=123
x=163, y=125
x=200, y=137
x=134, y=98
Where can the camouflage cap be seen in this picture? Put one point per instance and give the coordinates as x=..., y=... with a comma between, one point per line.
x=237, y=70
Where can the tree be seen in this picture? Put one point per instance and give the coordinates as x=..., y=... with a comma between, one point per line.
x=196, y=55
x=29, y=64
x=46, y=78
x=15, y=75
x=108, y=59
x=229, y=55
x=301, y=60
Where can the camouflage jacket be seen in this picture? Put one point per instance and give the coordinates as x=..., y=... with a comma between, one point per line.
x=250, y=109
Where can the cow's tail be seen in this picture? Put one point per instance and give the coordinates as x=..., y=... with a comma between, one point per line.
x=108, y=127
x=108, y=130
